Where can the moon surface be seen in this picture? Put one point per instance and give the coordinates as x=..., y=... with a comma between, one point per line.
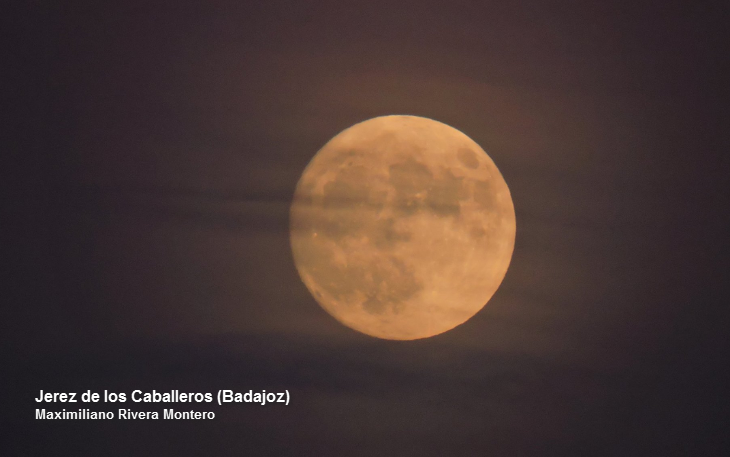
x=402, y=227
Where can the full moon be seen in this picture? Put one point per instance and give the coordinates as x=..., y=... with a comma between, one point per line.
x=402, y=227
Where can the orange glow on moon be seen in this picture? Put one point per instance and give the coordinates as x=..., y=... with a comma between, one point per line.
x=402, y=227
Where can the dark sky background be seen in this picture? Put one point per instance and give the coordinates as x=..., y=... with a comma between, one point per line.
x=153, y=151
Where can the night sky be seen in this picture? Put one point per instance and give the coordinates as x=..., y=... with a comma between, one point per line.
x=153, y=151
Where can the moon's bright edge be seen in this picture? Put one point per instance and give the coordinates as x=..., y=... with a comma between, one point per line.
x=402, y=227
